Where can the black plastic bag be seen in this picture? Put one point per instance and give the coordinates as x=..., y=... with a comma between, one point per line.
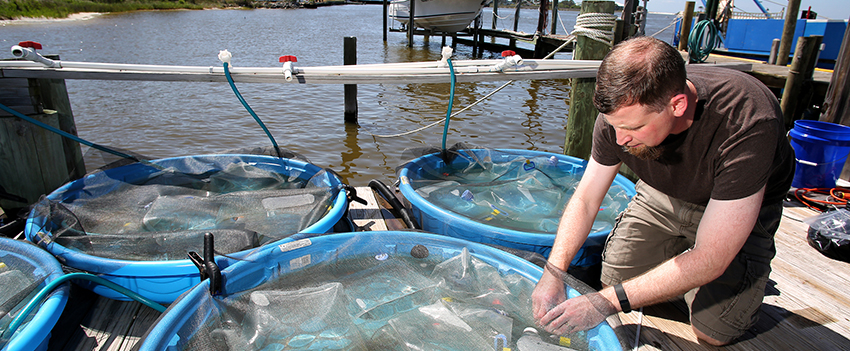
x=829, y=233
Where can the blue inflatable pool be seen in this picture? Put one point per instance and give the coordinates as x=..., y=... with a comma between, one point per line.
x=24, y=270
x=356, y=291
x=135, y=224
x=511, y=198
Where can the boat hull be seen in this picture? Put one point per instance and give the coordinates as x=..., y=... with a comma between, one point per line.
x=440, y=15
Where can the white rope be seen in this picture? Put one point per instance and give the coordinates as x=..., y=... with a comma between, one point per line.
x=637, y=333
x=678, y=16
x=596, y=26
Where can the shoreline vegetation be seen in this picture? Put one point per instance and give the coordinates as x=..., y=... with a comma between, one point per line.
x=63, y=9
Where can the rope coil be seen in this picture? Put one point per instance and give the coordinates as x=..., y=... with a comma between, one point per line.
x=596, y=26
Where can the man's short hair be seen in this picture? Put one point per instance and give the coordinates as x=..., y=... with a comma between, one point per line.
x=641, y=70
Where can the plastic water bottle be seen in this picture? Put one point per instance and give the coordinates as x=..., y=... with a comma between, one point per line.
x=531, y=341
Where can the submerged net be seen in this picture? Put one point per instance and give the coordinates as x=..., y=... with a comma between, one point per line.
x=514, y=189
x=161, y=210
x=374, y=301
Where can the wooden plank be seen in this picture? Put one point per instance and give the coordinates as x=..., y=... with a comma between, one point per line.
x=369, y=215
x=142, y=322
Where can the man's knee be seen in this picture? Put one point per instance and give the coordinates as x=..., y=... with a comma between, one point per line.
x=707, y=339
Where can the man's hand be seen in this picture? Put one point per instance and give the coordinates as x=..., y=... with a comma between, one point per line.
x=559, y=316
x=548, y=293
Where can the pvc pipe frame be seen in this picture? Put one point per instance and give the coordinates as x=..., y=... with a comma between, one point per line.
x=408, y=68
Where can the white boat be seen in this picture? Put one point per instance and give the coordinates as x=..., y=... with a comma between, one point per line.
x=440, y=15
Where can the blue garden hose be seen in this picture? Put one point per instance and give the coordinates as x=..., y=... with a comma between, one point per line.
x=251, y=111
x=451, y=101
x=36, y=301
x=66, y=134
x=702, y=41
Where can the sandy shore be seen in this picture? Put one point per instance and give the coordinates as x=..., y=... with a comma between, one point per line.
x=82, y=16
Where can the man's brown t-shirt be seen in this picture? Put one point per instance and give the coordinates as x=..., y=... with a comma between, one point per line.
x=736, y=145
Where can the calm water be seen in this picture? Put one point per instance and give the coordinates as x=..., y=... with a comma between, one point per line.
x=166, y=119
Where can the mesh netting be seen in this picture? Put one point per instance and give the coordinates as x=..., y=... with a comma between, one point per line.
x=19, y=282
x=515, y=189
x=371, y=300
x=160, y=210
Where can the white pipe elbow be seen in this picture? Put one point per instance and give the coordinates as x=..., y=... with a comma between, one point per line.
x=31, y=55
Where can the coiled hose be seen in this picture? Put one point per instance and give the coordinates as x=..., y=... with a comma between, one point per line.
x=398, y=209
x=702, y=41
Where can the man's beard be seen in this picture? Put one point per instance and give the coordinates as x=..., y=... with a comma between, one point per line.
x=646, y=153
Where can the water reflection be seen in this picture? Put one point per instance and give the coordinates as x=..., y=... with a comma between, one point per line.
x=167, y=119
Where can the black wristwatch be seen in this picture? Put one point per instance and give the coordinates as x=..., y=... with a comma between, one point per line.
x=624, y=300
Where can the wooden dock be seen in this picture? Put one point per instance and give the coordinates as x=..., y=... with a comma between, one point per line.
x=805, y=308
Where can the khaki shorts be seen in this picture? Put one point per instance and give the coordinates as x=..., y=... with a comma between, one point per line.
x=655, y=227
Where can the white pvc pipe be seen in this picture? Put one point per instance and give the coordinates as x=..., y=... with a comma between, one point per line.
x=32, y=55
x=409, y=68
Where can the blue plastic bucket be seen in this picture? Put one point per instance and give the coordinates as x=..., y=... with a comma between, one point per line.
x=196, y=310
x=821, y=150
x=437, y=219
x=35, y=264
x=163, y=281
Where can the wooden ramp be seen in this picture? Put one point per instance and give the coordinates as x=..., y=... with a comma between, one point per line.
x=806, y=307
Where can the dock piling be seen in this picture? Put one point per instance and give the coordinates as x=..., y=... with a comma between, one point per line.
x=788, y=32
x=350, y=58
x=582, y=112
x=685, y=28
x=800, y=72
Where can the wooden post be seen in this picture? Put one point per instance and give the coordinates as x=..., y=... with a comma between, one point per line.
x=386, y=15
x=350, y=58
x=512, y=43
x=801, y=70
x=836, y=102
x=55, y=97
x=687, y=22
x=774, y=49
x=539, y=46
x=410, y=26
x=788, y=32
x=582, y=112
x=554, y=17
x=495, y=14
x=628, y=18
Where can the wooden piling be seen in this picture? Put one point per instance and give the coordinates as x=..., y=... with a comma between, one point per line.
x=582, y=112
x=495, y=16
x=774, y=50
x=543, y=11
x=350, y=58
x=836, y=102
x=800, y=71
x=685, y=28
x=411, y=28
x=553, y=30
x=788, y=32
x=386, y=16
x=516, y=23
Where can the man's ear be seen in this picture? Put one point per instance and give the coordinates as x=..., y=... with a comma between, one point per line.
x=679, y=103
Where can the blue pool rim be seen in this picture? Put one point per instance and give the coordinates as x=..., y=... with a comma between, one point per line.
x=248, y=274
x=35, y=334
x=480, y=232
x=151, y=278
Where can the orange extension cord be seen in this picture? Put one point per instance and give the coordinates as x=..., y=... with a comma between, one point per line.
x=837, y=197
